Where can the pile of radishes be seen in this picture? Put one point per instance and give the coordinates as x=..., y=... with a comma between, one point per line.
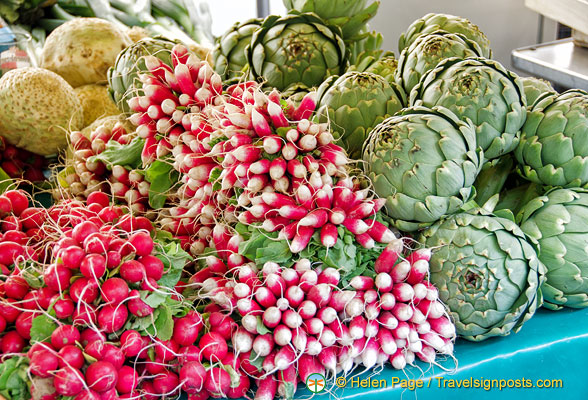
x=247, y=156
x=87, y=175
x=288, y=323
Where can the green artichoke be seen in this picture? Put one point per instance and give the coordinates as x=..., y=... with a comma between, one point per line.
x=429, y=50
x=123, y=80
x=424, y=163
x=365, y=50
x=229, y=53
x=554, y=140
x=492, y=178
x=385, y=67
x=487, y=273
x=445, y=22
x=559, y=222
x=354, y=104
x=483, y=91
x=535, y=87
x=296, y=49
x=350, y=15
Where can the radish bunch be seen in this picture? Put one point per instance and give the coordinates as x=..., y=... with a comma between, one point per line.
x=293, y=322
x=20, y=163
x=102, y=266
x=250, y=157
x=87, y=175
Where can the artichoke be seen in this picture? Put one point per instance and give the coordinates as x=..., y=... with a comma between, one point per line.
x=487, y=273
x=554, y=140
x=229, y=53
x=123, y=77
x=559, y=222
x=535, y=87
x=385, y=67
x=492, y=178
x=480, y=90
x=296, y=49
x=424, y=163
x=354, y=104
x=429, y=50
x=350, y=15
x=445, y=22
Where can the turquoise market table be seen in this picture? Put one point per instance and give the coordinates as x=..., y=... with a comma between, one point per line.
x=552, y=346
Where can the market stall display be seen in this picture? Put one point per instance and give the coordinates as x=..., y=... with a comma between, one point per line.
x=292, y=203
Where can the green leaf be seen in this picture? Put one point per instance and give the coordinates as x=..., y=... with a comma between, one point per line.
x=174, y=259
x=14, y=379
x=255, y=360
x=261, y=328
x=5, y=181
x=127, y=155
x=162, y=177
x=155, y=299
x=42, y=328
x=164, y=324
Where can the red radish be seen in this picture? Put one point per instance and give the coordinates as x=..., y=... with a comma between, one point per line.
x=99, y=198
x=131, y=343
x=192, y=377
x=9, y=252
x=418, y=271
x=291, y=319
x=16, y=287
x=329, y=235
x=83, y=230
x=384, y=282
x=442, y=326
x=266, y=388
x=166, y=382
x=43, y=363
x=265, y=297
x=290, y=277
x=354, y=307
x=189, y=353
x=186, y=331
x=247, y=306
x=294, y=295
x=137, y=306
x=18, y=201
x=127, y=379
x=284, y=358
x=432, y=309
x=12, y=342
x=369, y=356
x=111, y=318
x=24, y=323
x=213, y=346
x=93, y=266
x=84, y=314
x=272, y=317
x=217, y=382
x=115, y=290
x=379, y=232
x=386, y=260
x=64, y=335
x=307, y=309
x=340, y=299
x=403, y=292
x=68, y=381
x=57, y=277
x=72, y=256
x=400, y=271
x=89, y=335
x=249, y=323
x=262, y=345
x=84, y=290
x=71, y=356
x=141, y=243
x=132, y=271
x=101, y=376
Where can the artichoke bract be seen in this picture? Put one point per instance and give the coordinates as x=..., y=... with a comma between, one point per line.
x=293, y=49
x=350, y=15
x=482, y=91
x=559, y=222
x=229, y=53
x=424, y=163
x=535, y=87
x=354, y=104
x=429, y=50
x=385, y=67
x=487, y=273
x=123, y=77
x=554, y=140
x=445, y=22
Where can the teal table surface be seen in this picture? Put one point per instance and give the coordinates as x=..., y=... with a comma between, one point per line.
x=552, y=346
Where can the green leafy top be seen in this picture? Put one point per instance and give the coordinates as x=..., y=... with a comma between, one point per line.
x=347, y=255
x=14, y=379
x=127, y=155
